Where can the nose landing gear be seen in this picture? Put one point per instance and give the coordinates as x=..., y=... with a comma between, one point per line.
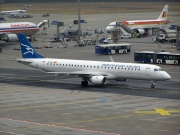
x=152, y=84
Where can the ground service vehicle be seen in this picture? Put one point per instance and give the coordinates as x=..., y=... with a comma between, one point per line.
x=126, y=36
x=113, y=48
x=171, y=37
x=108, y=41
x=101, y=39
x=157, y=57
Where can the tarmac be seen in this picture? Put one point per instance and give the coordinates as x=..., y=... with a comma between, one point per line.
x=36, y=103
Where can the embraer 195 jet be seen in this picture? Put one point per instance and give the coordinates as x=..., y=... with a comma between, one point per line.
x=140, y=26
x=96, y=72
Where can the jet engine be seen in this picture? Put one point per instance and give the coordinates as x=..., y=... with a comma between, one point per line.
x=98, y=80
x=10, y=38
x=141, y=31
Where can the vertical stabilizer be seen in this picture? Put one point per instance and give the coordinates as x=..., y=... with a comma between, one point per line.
x=164, y=13
x=27, y=49
x=26, y=7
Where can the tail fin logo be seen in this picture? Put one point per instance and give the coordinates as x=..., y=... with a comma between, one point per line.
x=164, y=15
x=29, y=49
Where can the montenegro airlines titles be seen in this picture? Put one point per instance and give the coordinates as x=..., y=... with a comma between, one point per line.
x=141, y=25
x=96, y=72
x=8, y=31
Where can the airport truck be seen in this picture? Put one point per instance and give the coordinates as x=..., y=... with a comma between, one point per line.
x=171, y=37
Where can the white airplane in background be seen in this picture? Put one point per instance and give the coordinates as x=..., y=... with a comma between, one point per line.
x=19, y=11
x=140, y=26
x=96, y=72
x=9, y=31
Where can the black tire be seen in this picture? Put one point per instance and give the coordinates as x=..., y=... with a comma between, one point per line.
x=84, y=83
x=175, y=62
x=152, y=86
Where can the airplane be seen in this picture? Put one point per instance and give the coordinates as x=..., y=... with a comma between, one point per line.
x=9, y=31
x=19, y=11
x=140, y=26
x=96, y=72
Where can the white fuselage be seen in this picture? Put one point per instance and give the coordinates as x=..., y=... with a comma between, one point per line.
x=26, y=28
x=137, y=24
x=111, y=70
x=12, y=12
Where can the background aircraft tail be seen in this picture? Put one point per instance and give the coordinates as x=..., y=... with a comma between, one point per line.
x=26, y=7
x=164, y=13
x=27, y=49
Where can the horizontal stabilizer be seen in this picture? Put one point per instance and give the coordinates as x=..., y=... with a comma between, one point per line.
x=23, y=61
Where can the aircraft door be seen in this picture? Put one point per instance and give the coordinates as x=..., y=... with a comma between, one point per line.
x=43, y=65
x=147, y=71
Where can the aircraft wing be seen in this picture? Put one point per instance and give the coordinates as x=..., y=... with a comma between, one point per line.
x=81, y=73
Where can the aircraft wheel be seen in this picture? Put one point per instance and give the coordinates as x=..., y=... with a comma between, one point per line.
x=175, y=63
x=152, y=86
x=84, y=83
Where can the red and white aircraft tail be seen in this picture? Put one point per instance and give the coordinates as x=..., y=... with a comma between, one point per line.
x=164, y=13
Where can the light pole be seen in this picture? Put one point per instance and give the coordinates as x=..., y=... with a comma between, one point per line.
x=79, y=18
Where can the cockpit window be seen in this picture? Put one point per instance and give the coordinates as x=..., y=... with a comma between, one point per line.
x=155, y=69
x=158, y=69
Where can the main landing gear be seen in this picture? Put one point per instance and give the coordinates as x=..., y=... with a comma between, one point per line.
x=84, y=83
x=152, y=84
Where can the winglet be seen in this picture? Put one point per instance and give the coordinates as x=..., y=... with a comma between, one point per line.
x=111, y=59
x=164, y=13
x=26, y=48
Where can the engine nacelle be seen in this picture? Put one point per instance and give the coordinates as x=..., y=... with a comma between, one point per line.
x=141, y=31
x=98, y=80
x=10, y=38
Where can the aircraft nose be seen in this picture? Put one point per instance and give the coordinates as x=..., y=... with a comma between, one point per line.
x=107, y=29
x=166, y=76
